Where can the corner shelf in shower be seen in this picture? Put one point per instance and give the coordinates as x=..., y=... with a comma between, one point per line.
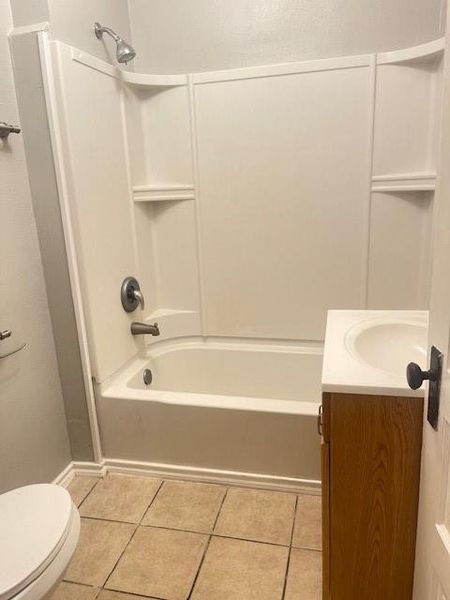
x=405, y=182
x=153, y=81
x=163, y=193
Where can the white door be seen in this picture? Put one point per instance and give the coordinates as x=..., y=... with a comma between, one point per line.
x=432, y=576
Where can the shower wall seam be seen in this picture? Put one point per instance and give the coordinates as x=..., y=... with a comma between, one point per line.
x=198, y=217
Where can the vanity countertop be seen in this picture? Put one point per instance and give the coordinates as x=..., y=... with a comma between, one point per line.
x=367, y=351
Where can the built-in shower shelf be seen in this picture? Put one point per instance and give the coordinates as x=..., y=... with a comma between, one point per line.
x=405, y=182
x=154, y=81
x=163, y=193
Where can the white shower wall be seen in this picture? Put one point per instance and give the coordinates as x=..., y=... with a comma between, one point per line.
x=242, y=199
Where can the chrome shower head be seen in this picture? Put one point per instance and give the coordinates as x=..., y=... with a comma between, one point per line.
x=124, y=52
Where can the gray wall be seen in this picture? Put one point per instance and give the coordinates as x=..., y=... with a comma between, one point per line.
x=72, y=22
x=34, y=445
x=33, y=116
x=185, y=36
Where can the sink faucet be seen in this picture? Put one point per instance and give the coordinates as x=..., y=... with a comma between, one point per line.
x=144, y=328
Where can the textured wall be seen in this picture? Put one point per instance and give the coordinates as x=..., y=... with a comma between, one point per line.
x=44, y=193
x=33, y=438
x=180, y=36
x=72, y=21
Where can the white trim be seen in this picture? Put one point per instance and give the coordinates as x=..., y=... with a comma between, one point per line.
x=161, y=193
x=63, y=194
x=65, y=477
x=34, y=28
x=169, y=471
x=162, y=81
x=415, y=52
x=365, y=262
x=148, y=80
x=89, y=468
x=139, y=79
x=405, y=182
x=94, y=63
x=310, y=66
x=198, y=217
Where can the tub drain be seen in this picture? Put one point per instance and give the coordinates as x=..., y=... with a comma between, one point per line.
x=148, y=376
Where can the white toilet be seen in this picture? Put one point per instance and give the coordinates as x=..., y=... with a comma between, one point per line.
x=39, y=531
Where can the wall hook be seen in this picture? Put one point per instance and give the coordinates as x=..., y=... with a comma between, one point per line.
x=6, y=129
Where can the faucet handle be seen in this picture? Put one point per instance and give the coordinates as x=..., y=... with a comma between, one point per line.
x=138, y=295
x=131, y=295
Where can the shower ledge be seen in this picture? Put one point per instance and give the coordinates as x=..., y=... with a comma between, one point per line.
x=367, y=351
x=163, y=193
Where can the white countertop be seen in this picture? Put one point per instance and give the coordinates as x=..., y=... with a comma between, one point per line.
x=367, y=351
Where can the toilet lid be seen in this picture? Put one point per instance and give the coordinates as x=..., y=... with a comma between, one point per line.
x=34, y=522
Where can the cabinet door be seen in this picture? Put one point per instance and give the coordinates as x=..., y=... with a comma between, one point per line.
x=375, y=446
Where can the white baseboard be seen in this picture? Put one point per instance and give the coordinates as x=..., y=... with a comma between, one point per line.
x=65, y=477
x=89, y=468
x=169, y=471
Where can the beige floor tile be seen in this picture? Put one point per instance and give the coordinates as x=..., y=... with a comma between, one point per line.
x=308, y=523
x=120, y=498
x=241, y=570
x=257, y=515
x=101, y=543
x=186, y=505
x=80, y=487
x=159, y=562
x=73, y=591
x=304, y=580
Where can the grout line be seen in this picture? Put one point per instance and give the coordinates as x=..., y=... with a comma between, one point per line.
x=120, y=556
x=87, y=585
x=290, y=550
x=121, y=592
x=89, y=492
x=199, y=567
x=108, y=520
x=151, y=501
x=293, y=521
x=220, y=510
x=288, y=564
x=307, y=548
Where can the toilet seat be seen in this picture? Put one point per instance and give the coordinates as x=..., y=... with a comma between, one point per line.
x=34, y=523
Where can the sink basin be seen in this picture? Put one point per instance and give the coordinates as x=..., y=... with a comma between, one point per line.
x=389, y=344
x=367, y=351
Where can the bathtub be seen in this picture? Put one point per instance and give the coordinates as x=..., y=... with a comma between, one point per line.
x=217, y=411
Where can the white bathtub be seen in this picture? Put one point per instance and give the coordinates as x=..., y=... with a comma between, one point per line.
x=222, y=410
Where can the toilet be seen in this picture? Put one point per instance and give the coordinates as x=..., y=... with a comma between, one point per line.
x=39, y=531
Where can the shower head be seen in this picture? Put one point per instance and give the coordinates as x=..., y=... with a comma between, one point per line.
x=124, y=52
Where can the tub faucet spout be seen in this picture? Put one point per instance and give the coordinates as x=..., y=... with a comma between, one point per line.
x=144, y=328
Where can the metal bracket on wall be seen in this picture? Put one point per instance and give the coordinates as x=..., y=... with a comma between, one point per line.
x=7, y=333
x=6, y=129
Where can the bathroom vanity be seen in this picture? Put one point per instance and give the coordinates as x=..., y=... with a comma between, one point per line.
x=371, y=427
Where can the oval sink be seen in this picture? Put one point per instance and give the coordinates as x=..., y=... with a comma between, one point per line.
x=389, y=344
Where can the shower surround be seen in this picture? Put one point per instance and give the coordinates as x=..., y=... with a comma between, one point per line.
x=246, y=202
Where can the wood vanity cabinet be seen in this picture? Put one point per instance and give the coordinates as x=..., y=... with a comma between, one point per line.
x=371, y=447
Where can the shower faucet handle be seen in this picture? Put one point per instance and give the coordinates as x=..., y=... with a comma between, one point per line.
x=139, y=297
x=6, y=333
x=131, y=295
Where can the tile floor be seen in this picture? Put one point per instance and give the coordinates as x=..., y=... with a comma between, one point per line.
x=143, y=537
